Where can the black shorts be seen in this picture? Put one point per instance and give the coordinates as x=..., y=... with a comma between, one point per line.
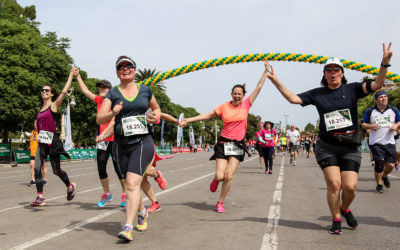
x=134, y=158
x=348, y=158
x=384, y=152
x=294, y=148
x=219, y=153
x=32, y=158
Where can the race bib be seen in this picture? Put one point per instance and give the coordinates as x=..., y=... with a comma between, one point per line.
x=134, y=125
x=337, y=119
x=383, y=122
x=269, y=137
x=231, y=149
x=45, y=137
x=102, y=145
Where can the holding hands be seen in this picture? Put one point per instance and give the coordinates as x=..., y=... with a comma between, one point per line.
x=183, y=123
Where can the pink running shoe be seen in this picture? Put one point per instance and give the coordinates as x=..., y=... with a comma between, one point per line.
x=155, y=206
x=214, y=185
x=220, y=207
x=267, y=172
x=162, y=183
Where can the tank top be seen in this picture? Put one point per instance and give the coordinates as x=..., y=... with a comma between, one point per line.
x=46, y=121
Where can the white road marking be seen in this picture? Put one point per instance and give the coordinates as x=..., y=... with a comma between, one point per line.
x=394, y=177
x=270, y=239
x=100, y=216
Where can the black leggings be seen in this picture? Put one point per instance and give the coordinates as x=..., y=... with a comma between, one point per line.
x=267, y=154
x=41, y=154
x=102, y=158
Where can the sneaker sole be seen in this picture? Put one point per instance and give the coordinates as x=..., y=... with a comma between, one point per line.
x=73, y=194
x=336, y=232
x=158, y=209
x=122, y=237
x=38, y=205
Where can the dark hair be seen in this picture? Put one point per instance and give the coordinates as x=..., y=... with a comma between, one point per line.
x=53, y=91
x=271, y=123
x=242, y=86
x=324, y=82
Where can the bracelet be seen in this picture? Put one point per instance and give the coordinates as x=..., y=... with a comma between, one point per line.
x=385, y=65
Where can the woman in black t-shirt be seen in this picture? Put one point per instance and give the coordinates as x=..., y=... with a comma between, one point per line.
x=336, y=103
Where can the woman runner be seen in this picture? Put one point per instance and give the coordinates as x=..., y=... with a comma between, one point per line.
x=230, y=149
x=336, y=102
x=49, y=142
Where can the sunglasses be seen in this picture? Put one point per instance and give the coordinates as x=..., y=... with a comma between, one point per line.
x=128, y=66
x=45, y=90
x=329, y=70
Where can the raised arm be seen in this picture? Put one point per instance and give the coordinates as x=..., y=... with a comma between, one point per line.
x=380, y=79
x=289, y=95
x=260, y=84
x=55, y=105
x=202, y=117
x=83, y=86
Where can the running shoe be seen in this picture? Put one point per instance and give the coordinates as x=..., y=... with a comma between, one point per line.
x=379, y=189
x=372, y=163
x=214, y=185
x=386, y=182
x=105, y=198
x=142, y=222
x=291, y=161
x=270, y=172
x=126, y=233
x=155, y=206
x=32, y=183
x=44, y=182
x=294, y=163
x=396, y=166
x=162, y=183
x=350, y=219
x=71, y=193
x=266, y=171
x=336, y=227
x=38, y=202
x=220, y=207
x=123, y=200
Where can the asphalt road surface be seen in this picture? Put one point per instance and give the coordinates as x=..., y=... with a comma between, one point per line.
x=285, y=210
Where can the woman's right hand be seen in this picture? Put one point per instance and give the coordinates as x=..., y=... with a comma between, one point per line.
x=387, y=54
x=271, y=73
x=117, y=108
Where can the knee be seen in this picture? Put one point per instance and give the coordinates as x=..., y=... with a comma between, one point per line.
x=219, y=177
x=349, y=188
x=228, y=178
x=333, y=186
x=379, y=165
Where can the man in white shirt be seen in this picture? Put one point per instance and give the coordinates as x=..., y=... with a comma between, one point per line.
x=293, y=137
x=382, y=120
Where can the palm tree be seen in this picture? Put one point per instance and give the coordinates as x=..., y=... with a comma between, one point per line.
x=147, y=73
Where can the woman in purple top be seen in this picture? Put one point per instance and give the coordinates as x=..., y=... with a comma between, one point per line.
x=49, y=142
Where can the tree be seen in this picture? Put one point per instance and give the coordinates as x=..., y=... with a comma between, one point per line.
x=142, y=75
x=310, y=128
x=27, y=63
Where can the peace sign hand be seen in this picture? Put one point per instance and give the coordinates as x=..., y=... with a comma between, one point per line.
x=387, y=54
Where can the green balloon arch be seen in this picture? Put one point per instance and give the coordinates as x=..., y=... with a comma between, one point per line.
x=290, y=57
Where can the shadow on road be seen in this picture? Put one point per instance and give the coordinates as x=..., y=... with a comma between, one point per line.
x=369, y=220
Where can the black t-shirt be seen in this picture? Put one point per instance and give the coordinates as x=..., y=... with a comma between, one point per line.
x=137, y=105
x=328, y=100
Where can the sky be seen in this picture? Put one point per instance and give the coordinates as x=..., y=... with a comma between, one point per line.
x=169, y=34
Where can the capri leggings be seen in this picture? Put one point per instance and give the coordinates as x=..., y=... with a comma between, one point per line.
x=134, y=158
x=102, y=159
x=267, y=154
x=41, y=154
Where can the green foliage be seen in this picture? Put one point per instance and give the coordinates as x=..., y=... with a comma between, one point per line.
x=310, y=128
x=13, y=8
x=142, y=75
x=252, y=126
x=27, y=62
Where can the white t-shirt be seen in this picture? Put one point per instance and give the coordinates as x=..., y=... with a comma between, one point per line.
x=385, y=120
x=293, y=136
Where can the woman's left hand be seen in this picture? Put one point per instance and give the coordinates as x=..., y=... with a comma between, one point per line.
x=151, y=118
x=387, y=54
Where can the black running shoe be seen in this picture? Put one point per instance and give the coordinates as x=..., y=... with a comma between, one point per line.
x=336, y=227
x=291, y=161
x=350, y=219
x=44, y=182
x=386, y=182
x=32, y=183
x=379, y=189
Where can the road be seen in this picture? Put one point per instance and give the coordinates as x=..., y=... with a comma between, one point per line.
x=285, y=210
